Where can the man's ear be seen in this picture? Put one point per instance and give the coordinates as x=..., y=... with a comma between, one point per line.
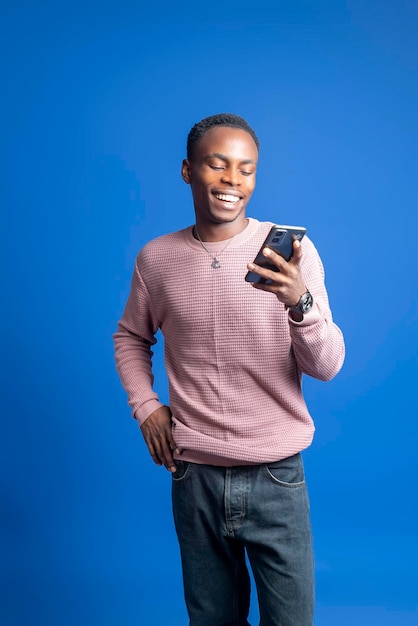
x=185, y=171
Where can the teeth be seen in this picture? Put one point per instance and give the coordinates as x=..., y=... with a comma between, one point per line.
x=226, y=197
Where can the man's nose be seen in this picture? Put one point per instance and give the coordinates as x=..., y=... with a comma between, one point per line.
x=231, y=176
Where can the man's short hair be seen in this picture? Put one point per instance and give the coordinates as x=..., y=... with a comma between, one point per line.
x=221, y=119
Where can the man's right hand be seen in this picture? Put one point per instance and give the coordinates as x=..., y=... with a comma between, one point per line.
x=157, y=432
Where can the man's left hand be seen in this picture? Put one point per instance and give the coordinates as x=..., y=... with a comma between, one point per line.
x=287, y=284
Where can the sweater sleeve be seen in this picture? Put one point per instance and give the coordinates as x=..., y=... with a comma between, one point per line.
x=317, y=342
x=133, y=341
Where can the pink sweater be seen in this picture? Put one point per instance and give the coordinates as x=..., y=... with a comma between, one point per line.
x=234, y=358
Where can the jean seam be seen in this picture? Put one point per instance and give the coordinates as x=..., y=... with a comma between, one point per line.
x=283, y=483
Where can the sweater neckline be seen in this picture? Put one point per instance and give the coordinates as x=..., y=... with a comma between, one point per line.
x=234, y=242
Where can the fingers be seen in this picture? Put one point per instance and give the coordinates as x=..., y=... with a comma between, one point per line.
x=271, y=275
x=161, y=452
x=279, y=261
x=157, y=433
x=285, y=267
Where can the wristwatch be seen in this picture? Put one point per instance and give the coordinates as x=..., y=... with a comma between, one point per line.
x=304, y=305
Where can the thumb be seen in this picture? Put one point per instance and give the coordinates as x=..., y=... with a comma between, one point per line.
x=297, y=252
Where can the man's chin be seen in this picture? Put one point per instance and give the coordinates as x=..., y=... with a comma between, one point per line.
x=227, y=216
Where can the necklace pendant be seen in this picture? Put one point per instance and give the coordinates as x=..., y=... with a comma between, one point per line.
x=215, y=263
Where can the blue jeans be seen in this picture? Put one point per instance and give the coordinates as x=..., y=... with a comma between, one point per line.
x=223, y=513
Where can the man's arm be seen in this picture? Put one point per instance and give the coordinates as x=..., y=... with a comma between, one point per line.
x=133, y=354
x=317, y=342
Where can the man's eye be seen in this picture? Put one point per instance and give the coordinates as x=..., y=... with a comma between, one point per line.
x=245, y=173
x=217, y=168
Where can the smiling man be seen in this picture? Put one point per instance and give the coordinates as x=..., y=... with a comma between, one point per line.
x=222, y=182
x=235, y=355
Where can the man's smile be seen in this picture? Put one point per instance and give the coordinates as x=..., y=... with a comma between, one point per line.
x=226, y=197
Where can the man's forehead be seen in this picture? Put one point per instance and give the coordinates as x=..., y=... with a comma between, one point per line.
x=221, y=140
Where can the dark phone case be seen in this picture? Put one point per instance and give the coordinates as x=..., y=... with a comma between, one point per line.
x=280, y=239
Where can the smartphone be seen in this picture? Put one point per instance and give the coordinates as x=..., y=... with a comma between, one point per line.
x=280, y=239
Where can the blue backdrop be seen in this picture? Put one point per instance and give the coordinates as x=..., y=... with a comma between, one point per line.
x=97, y=102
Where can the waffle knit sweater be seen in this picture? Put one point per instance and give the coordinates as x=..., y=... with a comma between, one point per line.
x=234, y=357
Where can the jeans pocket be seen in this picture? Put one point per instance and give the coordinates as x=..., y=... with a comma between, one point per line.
x=287, y=472
x=181, y=471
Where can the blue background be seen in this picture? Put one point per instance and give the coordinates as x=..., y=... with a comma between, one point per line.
x=97, y=102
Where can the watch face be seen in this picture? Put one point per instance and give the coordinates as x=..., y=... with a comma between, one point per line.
x=306, y=302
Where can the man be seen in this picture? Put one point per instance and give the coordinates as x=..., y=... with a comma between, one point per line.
x=235, y=354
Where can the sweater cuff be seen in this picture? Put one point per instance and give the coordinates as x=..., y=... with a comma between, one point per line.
x=146, y=409
x=310, y=318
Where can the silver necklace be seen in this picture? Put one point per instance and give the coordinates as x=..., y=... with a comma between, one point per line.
x=215, y=263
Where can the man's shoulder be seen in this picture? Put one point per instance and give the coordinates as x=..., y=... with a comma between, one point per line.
x=164, y=242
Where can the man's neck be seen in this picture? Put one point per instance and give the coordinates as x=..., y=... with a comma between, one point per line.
x=219, y=232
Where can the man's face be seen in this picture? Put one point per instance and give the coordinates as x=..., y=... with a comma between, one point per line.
x=222, y=175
